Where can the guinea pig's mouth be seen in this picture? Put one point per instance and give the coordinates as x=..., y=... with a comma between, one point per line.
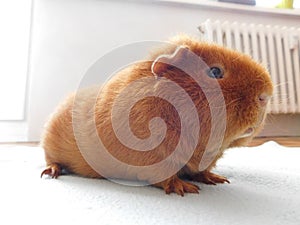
x=247, y=133
x=250, y=131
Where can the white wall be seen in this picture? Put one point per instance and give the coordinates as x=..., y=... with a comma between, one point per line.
x=69, y=35
x=14, y=41
x=15, y=18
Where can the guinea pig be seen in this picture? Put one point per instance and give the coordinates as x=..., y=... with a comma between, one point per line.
x=163, y=121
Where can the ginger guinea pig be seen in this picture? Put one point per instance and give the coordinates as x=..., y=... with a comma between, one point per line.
x=162, y=121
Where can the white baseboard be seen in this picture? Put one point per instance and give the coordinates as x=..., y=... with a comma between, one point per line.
x=13, y=131
x=282, y=125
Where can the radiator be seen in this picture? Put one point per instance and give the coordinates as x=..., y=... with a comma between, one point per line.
x=276, y=47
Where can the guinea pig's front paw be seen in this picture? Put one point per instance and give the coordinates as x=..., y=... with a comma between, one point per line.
x=207, y=177
x=178, y=186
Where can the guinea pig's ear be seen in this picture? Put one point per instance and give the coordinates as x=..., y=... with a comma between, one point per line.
x=165, y=62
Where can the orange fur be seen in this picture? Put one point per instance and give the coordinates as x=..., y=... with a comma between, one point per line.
x=244, y=81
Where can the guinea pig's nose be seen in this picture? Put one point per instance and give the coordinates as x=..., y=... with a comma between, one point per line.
x=263, y=99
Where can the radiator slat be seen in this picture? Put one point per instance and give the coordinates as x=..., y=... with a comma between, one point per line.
x=296, y=59
x=263, y=46
x=289, y=70
x=228, y=39
x=272, y=66
x=237, y=36
x=246, y=39
x=219, y=33
x=282, y=81
x=208, y=31
x=254, y=42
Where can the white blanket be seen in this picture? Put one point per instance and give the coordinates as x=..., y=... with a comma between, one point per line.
x=264, y=189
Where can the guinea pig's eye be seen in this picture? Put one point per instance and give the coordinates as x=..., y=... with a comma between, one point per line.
x=215, y=72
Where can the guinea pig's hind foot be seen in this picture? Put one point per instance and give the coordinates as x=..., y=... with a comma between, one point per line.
x=178, y=186
x=53, y=170
x=207, y=177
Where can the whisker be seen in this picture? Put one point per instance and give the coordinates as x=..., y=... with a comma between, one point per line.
x=280, y=84
x=280, y=95
x=237, y=58
x=228, y=104
x=270, y=119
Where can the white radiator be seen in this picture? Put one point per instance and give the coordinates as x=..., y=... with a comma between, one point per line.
x=277, y=48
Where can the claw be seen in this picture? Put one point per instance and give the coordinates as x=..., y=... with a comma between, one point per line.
x=178, y=186
x=53, y=170
x=210, y=178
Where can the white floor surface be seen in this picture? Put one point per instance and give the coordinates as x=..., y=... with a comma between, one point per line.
x=264, y=189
